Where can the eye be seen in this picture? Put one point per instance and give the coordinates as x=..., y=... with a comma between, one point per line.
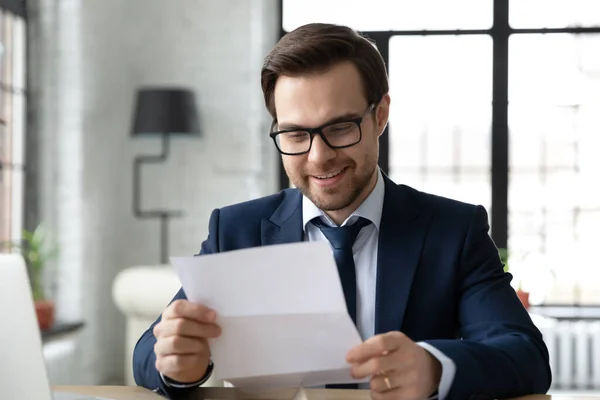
x=341, y=128
x=296, y=136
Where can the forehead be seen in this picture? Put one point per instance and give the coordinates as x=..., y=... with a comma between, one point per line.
x=314, y=99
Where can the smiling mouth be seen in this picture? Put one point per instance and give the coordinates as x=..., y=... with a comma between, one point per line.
x=330, y=175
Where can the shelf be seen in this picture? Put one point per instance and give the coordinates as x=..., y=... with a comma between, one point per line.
x=61, y=328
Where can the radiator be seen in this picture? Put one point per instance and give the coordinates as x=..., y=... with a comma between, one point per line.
x=574, y=348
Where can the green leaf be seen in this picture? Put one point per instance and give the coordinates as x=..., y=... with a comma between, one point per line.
x=38, y=237
x=27, y=236
x=503, y=254
x=37, y=249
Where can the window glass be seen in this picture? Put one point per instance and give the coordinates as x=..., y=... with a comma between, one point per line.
x=554, y=13
x=381, y=15
x=12, y=122
x=440, y=122
x=554, y=194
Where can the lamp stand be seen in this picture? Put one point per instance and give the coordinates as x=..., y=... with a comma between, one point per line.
x=163, y=215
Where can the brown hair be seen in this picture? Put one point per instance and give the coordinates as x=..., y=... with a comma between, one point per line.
x=316, y=47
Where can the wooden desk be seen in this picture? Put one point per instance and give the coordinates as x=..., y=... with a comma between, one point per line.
x=136, y=393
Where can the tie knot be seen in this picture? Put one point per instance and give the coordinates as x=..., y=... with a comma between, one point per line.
x=341, y=237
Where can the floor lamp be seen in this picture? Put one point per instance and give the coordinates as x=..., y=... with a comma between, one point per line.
x=162, y=112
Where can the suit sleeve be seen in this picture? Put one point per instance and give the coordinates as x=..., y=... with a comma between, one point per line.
x=144, y=359
x=501, y=353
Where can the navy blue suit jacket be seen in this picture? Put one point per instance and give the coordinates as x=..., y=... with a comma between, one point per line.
x=439, y=280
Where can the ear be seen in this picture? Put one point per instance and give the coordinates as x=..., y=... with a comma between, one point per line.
x=382, y=113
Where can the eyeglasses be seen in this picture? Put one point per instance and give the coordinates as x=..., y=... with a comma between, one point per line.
x=337, y=135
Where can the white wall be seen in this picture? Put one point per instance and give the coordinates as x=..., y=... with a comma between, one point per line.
x=88, y=56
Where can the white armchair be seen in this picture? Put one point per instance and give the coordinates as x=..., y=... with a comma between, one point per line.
x=141, y=294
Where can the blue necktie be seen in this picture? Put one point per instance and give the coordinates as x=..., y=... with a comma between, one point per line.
x=342, y=239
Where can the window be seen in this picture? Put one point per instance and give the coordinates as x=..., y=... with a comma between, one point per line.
x=533, y=164
x=554, y=13
x=384, y=15
x=12, y=123
x=554, y=125
x=441, y=88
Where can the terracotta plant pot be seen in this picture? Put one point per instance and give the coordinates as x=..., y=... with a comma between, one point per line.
x=45, y=313
x=524, y=297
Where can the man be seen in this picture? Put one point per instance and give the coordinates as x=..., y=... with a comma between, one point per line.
x=422, y=278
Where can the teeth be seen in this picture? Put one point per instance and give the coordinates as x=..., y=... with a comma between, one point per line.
x=331, y=175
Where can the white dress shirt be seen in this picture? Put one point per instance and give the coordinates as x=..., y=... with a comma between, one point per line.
x=365, y=260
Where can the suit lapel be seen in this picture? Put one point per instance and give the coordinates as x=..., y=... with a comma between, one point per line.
x=402, y=234
x=285, y=225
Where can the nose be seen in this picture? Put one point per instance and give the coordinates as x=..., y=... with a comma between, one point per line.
x=320, y=152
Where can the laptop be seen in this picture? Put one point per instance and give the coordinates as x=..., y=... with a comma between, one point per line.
x=23, y=373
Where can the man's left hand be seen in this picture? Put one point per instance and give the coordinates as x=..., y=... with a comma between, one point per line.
x=399, y=368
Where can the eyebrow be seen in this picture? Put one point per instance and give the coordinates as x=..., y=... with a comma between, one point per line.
x=339, y=118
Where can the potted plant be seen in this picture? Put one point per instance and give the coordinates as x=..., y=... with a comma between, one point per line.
x=37, y=251
x=521, y=294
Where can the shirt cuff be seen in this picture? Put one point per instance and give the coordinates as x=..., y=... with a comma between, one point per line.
x=174, y=384
x=448, y=369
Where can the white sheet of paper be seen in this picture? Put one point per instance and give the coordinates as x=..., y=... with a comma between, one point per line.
x=282, y=312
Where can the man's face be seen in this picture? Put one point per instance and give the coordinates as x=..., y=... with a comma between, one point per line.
x=335, y=180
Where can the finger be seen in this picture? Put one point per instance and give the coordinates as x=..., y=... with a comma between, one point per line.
x=189, y=310
x=376, y=346
x=407, y=380
x=405, y=385
x=176, y=364
x=376, y=365
x=180, y=345
x=384, y=383
x=187, y=328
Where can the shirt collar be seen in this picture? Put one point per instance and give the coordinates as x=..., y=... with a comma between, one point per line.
x=370, y=209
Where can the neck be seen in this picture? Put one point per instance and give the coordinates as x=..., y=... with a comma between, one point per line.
x=339, y=216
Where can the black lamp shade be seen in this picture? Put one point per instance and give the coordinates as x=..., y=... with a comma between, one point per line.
x=165, y=111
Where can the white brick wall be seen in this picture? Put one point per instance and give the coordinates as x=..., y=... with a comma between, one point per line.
x=88, y=58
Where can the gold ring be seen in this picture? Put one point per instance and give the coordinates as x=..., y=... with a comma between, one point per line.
x=387, y=382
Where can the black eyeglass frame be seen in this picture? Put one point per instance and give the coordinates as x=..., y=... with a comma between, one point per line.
x=319, y=131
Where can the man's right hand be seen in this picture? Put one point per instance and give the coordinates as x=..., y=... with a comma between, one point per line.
x=182, y=351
